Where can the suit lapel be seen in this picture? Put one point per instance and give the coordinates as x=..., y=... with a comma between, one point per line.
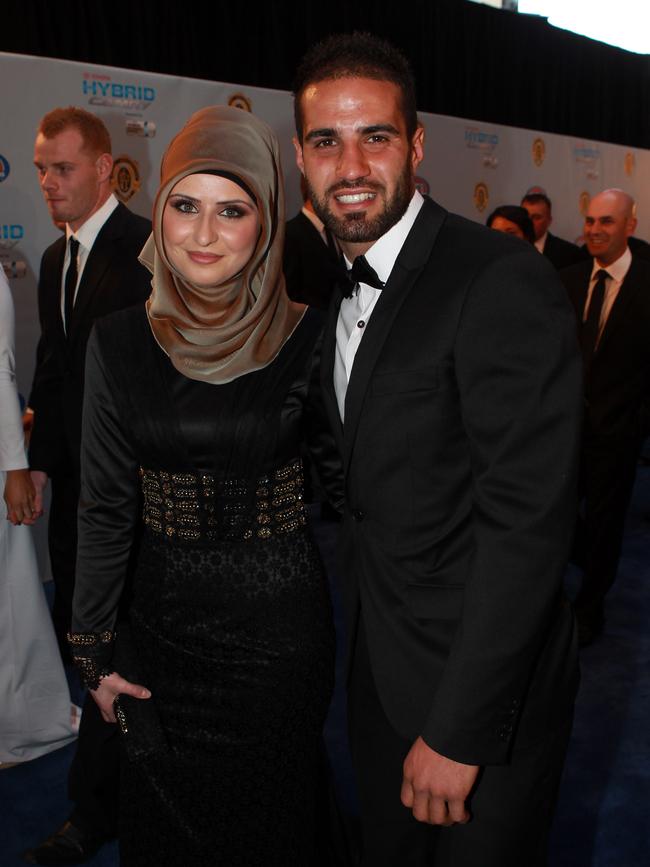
x=629, y=288
x=96, y=266
x=408, y=266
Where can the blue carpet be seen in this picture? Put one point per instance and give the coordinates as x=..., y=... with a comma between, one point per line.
x=602, y=818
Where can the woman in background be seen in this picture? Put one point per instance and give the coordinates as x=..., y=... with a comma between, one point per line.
x=35, y=708
x=199, y=405
x=513, y=220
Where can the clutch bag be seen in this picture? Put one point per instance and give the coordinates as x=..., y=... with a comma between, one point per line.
x=141, y=729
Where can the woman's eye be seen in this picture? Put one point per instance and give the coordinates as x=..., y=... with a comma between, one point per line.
x=185, y=206
x=232, y=213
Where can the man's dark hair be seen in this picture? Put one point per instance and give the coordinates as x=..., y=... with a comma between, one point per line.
x=518, y=216
x=356, y=55
x=537, y=199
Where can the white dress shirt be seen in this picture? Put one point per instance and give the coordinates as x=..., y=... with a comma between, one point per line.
x=540, y=243
x=355, y=312
x=617, y=271
x=86, y=235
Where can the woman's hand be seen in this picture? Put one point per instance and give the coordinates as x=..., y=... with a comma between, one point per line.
x=112, y=686
x=20, y=497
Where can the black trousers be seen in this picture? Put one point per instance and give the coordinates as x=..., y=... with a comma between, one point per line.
x=62, y=543
x=512, y=805
x=607, y=473
x=94, y=776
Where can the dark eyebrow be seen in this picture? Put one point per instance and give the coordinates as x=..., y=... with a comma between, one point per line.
x=380, y=127
x=320, y=133
x=329, y=132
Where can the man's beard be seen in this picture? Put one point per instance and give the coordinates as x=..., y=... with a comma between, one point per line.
x=355, y=228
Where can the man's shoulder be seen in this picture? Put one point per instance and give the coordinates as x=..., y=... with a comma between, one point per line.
x=125, y=221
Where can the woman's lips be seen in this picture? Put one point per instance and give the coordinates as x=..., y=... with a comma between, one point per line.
x=203, y=258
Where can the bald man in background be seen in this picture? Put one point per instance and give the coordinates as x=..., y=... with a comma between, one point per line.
x=611, y=296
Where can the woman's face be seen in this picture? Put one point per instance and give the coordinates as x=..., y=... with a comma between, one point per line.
x=210, y=228
x=507, y=226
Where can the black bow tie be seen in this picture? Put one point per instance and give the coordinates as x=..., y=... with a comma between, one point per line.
x=362, y=272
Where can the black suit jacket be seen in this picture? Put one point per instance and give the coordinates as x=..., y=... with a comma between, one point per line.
x=112, y=279
x=617, y=384
x=561, y=253
x=311, y=269
x=460, y=444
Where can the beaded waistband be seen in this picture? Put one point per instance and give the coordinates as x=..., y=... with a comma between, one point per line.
x=200, y=506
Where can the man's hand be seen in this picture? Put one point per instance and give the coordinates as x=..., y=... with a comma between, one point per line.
x=112, y=686
x=20, y=497
x=39, y=480
x=435, y=787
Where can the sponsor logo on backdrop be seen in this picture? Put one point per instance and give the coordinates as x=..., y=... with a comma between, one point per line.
x=144, y=128
x=539, y=151
x=422, y=185
x=4, y=168
x=102, y=90
x=125, y=179
x=481, y=196
x=478, y=139
x=10, y=234
x=238, y=100
x=588, y=157
x=629, y=164
x=583, y=203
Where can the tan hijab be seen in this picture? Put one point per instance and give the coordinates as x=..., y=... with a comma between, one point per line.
x=218, y=333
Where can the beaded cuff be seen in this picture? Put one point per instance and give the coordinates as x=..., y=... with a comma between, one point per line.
x=91, y=652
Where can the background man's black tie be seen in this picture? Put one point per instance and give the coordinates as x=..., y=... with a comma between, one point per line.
x=70, y=286
x=591, y=325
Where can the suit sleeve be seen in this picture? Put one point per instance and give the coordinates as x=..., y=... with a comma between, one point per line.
x=519, y=382
x=107, y=518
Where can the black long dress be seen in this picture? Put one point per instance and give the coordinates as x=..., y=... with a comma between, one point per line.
x=229, y=609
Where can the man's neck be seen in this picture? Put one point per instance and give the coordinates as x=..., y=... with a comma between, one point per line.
x=101, y=201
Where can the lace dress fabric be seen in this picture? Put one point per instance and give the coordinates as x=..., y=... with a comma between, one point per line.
x=231, y=622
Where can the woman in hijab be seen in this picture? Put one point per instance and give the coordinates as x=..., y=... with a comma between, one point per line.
x=195, y=411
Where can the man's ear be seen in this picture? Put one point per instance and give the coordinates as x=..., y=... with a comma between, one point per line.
x=299, y=156
x=104, y=166
x=417, y=147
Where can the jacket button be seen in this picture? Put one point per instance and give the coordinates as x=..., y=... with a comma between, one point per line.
x=357, y=515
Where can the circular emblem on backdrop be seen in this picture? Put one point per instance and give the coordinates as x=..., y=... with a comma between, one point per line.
x=238, y=100
x=539, y=151
x=583, y=203
x=125, y=179
x=422, y=186
x=481, y=196
x=4, y=169
x=629, y=164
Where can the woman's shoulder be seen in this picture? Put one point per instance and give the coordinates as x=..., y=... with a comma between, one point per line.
x=123, y=330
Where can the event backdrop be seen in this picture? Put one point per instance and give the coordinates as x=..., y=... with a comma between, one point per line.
x=469, y=167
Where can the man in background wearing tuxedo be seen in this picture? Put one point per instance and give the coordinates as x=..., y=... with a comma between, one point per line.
x=611, y=296
x=92, y=271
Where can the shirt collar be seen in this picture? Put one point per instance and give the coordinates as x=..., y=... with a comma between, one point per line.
x=540, y=243
x=618, y=269
x=87, y=233
x=383, y=253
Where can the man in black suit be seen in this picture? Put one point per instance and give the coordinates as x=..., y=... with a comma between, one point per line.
x=559, y=252
x=311, y=257
x=92, y=271
x=451, y=377
x=611, y=296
